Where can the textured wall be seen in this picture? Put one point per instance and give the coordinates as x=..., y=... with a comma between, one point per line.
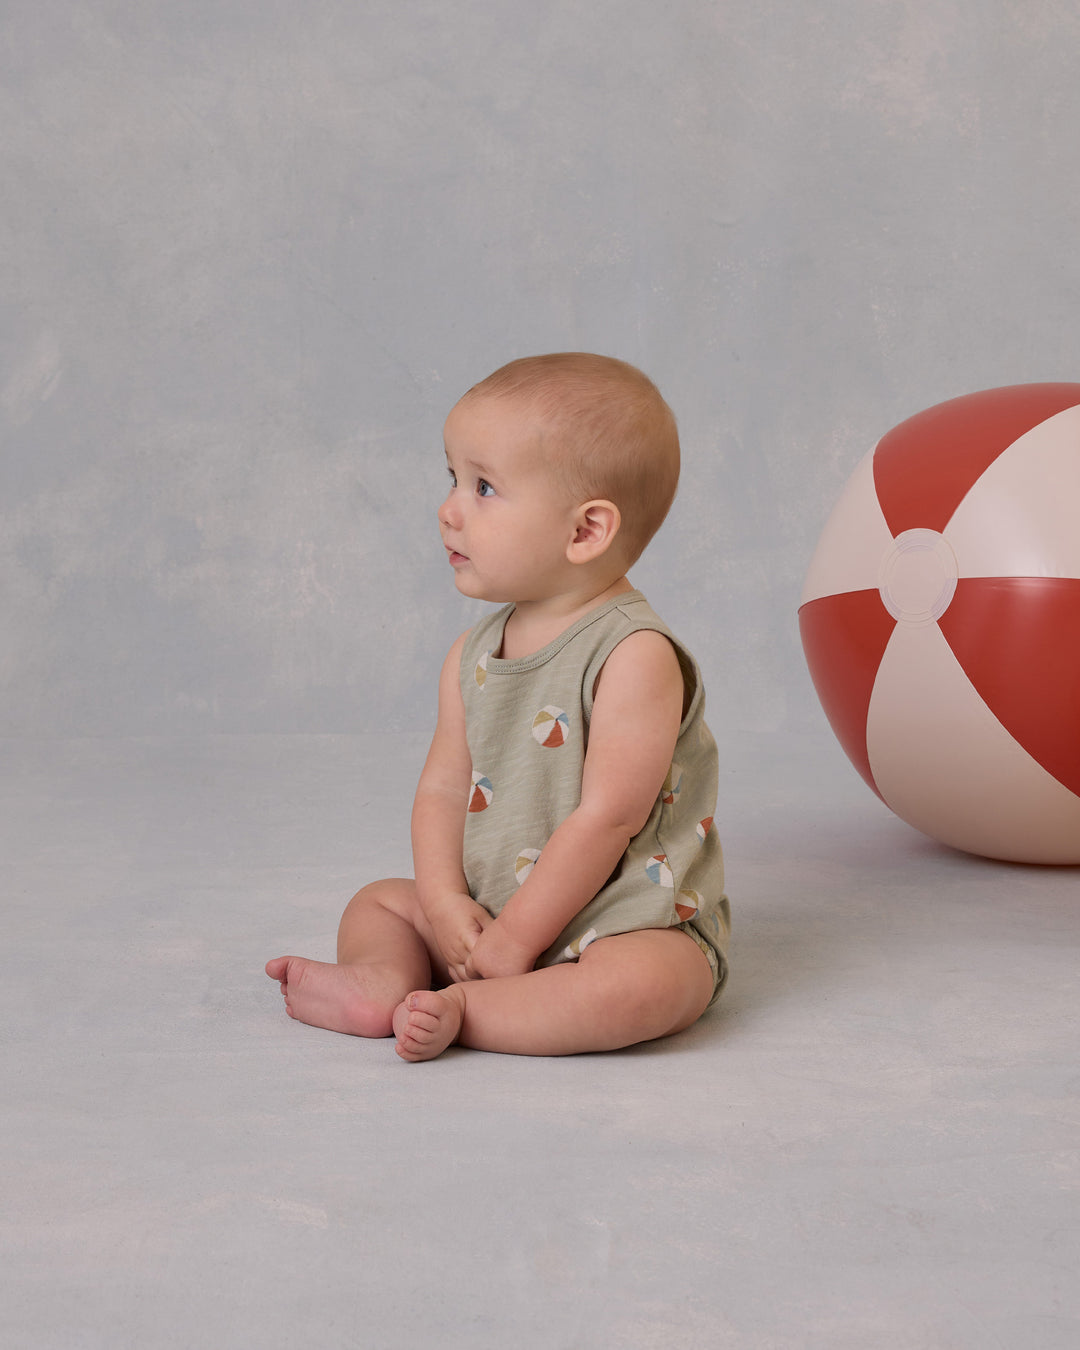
x=250, y=252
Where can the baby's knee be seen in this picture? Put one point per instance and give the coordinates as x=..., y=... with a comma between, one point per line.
x=397, y=894
x=659, y=978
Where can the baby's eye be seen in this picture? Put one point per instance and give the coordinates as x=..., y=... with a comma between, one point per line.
x=484, y=488
x=452, y=476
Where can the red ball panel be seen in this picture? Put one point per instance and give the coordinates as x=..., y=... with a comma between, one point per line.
x=844, y=637
x=925, y=467
x=1018, y=640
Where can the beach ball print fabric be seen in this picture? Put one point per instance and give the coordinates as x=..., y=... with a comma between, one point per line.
x=527, y=730
x=550, y=727
x=524, y=864
x=481, y=794
x=658, y=870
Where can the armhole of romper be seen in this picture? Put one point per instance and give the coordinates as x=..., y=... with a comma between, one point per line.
x=691, y=679
x=472, y=649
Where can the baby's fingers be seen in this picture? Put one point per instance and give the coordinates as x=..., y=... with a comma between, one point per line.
x=471, y=973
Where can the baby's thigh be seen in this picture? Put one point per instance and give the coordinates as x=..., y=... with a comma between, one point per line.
x=661, y=971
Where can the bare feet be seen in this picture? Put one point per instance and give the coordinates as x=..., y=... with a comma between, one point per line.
x=428, y=1021
x=339, y=998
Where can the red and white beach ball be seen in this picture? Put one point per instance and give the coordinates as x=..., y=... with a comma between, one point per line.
x=941, y=622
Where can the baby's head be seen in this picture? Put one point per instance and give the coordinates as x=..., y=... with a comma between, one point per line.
x=604, y=431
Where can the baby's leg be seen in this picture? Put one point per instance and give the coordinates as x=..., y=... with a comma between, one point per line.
x=383, y=953
x=625, y=989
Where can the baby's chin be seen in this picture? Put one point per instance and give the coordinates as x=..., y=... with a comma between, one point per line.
x=470, y=585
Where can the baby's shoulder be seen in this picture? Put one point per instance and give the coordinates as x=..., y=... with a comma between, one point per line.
x=642, y=667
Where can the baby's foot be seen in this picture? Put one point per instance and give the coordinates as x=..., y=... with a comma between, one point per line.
x=339, y=998
x=428, y=1021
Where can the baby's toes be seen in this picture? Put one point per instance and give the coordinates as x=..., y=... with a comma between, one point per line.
x=421, y=1026
x=404, y=1020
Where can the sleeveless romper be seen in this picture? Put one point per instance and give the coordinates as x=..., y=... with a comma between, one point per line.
x=527, y=725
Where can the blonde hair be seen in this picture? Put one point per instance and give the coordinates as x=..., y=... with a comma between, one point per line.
x=605, y=430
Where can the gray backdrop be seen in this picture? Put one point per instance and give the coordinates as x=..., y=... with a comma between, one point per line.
x=251, y=252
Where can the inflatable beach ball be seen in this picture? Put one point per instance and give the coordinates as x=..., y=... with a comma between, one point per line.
x=941, y=622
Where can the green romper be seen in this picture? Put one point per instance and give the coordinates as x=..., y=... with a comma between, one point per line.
x=527, y=725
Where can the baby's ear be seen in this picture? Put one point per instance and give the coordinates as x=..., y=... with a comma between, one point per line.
x=595, y=527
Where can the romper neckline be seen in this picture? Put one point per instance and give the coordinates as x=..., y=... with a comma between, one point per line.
x=499, y=665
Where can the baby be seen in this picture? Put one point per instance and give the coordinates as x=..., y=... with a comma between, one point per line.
x=569, y=890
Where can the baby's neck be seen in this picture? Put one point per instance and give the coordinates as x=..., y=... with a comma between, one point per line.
x=535, y=623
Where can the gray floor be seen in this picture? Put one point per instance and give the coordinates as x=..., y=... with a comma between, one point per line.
x=871, y=1142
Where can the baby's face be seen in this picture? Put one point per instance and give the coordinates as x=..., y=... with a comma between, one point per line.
x=506, y=523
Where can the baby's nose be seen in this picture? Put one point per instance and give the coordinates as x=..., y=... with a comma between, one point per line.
x=448, y=513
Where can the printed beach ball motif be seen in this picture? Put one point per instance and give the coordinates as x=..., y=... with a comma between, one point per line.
x=480, y=673
x=524, y=863
x=669, y=793
x=941, y=622
x=481, y=794
x=703, y=827
x=687, y=904
x=573, y=950
x=658, y=870
x=551, y=727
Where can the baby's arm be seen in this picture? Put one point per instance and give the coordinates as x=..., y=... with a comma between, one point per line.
x=438, y=827
x=637, y=711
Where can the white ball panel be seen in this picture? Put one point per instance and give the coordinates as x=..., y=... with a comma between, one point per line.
x=853, y=542
x=1020, y=517
x=945, y=764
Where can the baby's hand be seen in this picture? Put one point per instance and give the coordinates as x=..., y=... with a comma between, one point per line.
x=458, y=922
x=495, y=953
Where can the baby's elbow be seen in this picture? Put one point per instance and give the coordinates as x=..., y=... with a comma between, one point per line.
x=619, y=822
